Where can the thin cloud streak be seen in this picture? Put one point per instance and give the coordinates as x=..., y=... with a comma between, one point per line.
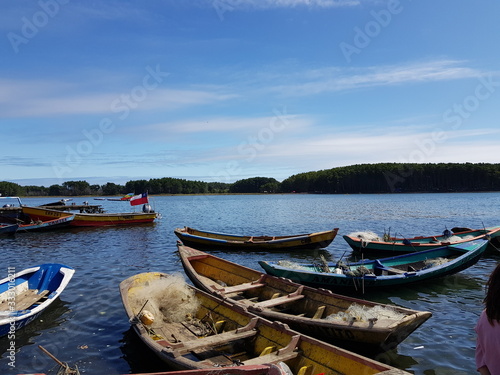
x=333, y=79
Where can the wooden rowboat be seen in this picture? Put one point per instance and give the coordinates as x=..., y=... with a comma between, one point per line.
x=205, y=240
x=26, y=294
x=91, y=219
x=369, y=244
x=315, y=312
x=191, y=329
x=405, y=269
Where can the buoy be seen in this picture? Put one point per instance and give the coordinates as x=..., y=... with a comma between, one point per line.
x=147, y=317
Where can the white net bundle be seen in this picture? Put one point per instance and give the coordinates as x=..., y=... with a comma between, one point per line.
x=168, y=298
x=366, y=236
x=290, y=264
x=457, y=238
x=361, y=313
x=435, y=262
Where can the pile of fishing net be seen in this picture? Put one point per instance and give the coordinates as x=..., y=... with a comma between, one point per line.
x=361, y=313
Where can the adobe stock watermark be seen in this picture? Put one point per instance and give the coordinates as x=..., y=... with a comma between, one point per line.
x=455, y=116
x=364, y=36
x=11, y=302
x=121, y=106
x=254, y=144
x=31, y=26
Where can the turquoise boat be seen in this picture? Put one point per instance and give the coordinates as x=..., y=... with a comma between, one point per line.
x=406, y=269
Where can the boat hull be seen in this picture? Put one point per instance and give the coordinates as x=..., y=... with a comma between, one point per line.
x=207, y=240
x=92, y=220
x=58, y=223
x=244, y=285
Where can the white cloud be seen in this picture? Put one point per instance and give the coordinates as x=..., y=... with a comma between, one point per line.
x=331, y=79
x=54, y=98
x=268, y=4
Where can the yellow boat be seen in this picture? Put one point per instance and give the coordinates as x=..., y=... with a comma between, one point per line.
x=190, y=329
x=341, y=320
x=91, y=219
x=205, y=239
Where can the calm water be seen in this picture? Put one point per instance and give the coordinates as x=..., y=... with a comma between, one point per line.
x=89, y=327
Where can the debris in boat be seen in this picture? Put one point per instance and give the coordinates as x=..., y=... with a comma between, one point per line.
x=365, y=314
x=358, y=271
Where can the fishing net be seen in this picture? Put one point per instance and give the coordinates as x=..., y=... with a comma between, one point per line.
x=434, y=262
x=364, y=313
x=169, y=298
x=457, y=238
x=366, y=236
x=290, y=264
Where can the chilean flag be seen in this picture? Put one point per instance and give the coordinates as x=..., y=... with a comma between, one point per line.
x=139, y=199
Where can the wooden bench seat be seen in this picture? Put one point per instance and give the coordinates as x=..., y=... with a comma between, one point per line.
x=216, y=340
x=24, y=300
x=281, y=355
x=280, y=300
x=241, y=288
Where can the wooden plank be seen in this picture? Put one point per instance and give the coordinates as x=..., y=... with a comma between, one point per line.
x=280, y=300
x=214, y=340
x=241, y=288
x=282, y=355
x=24, y=300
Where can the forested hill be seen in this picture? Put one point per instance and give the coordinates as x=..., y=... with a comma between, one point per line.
x=397, y=177
x=362, y=178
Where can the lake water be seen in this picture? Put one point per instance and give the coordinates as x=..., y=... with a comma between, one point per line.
x=88, y=326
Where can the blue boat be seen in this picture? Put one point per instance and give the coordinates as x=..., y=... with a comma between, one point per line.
x=26, y=294
x=406, y=269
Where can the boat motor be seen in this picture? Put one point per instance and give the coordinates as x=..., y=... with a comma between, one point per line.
x=147, y=208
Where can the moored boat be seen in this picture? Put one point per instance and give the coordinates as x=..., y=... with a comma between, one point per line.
x=26, y=294
x=191, y=329
x=40, y=226
x=405, y=269
x=91, y=219
x=368, y=242
x=338, y=319
x=205, y=240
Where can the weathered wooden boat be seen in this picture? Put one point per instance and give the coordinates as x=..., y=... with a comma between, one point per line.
x=91, y=219
x=26, y=294
x=190, y=329
x=370, y=243
x=341, y=320
x=8, y=229
x=40, y=226
x=405, y=269
x=206, y=240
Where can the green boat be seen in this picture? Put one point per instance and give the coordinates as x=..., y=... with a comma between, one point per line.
x=406, y=269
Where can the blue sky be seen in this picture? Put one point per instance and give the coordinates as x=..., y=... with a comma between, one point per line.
x=221, y=90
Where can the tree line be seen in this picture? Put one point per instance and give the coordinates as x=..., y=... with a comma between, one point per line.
x=360, y=178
